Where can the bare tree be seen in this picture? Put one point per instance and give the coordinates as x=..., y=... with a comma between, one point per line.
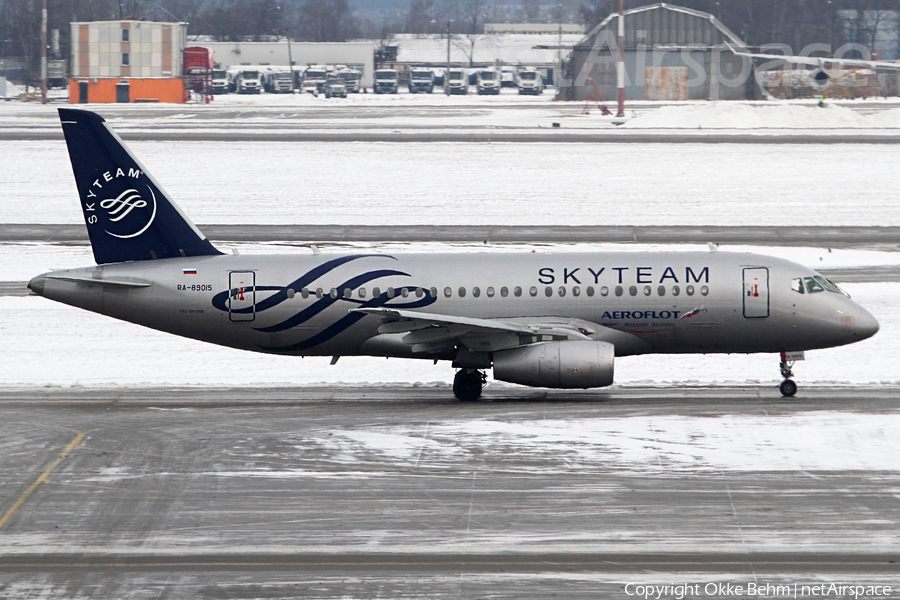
x=326, y=20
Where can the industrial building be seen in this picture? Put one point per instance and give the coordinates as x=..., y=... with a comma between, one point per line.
x=670, y=53
x=356, y=55
x=127, y=61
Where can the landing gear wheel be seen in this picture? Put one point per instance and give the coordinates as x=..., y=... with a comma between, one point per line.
x=467, y=384
x=788, y=388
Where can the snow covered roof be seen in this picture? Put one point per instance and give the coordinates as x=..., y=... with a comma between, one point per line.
x=668, y=32
x=510, y=48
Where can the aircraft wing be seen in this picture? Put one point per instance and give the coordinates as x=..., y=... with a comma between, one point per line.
x=429, y=332
x=818, y=61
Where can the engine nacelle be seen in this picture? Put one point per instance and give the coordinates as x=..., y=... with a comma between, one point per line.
x=565, y=364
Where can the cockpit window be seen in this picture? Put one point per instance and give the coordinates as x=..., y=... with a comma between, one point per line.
x=829, y=285
x=812, y=286
x=797, y=285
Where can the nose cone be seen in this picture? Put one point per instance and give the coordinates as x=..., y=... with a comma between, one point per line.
x=36, y=285
x=866, y=324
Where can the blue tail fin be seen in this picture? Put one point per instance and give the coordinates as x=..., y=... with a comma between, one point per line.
x=128, y=215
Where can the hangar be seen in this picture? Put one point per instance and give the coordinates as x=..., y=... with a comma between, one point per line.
x=670, y=53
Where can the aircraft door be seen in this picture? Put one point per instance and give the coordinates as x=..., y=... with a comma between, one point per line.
x=756, y=292
x=242, y=295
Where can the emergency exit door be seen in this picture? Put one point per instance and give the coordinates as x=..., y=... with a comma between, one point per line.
x=242, y=295
x=756, y=292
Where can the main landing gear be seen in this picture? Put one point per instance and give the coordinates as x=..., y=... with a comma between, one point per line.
x=788, y=387
x=468, y=383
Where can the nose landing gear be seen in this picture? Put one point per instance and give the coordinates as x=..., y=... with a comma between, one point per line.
x=788, y=387
x=467, y=384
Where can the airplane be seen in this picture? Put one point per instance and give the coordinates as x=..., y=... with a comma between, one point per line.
x=553, y=320
x=820, y=78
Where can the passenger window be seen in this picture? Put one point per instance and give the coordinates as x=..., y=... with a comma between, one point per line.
x=633, y=290
x=319, y=293
x=576, y=291
x=462, y=292
x=476, y=291
x=362, y=292
x=590, y=291
x=291, y=293
x=533, y=291
x=647, y=290
x=812, y=286
x=517, y=292
x=619, y=290
x=390, y=292
x=433, y=292
x=348, y=293
x=548, y=291
x=304, y=293
x=604, y=291
x=562, y=291
x=704, y=290
x=405, y=292
x=689, y=290
x=490, y=292
x=797, y=285
x=661, y=290
x=448, y=292
x=419, y=292
x=376, y=292
x=676, y=290
x=504, y=291
x=333, y=293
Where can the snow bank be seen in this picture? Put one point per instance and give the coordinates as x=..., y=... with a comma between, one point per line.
x=729, y=115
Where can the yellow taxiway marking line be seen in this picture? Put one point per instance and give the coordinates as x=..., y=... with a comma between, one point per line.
x=40, y=479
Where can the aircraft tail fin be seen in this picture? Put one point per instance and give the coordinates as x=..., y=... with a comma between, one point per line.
x=128, y=214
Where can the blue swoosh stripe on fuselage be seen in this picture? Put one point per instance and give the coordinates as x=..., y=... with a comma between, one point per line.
x=348, y=321
x=323, y=303
x=220, y=300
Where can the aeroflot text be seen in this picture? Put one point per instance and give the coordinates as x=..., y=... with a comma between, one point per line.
x=761, y=590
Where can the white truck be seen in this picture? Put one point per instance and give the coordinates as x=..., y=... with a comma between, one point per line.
x=487, y=81
x=421, y=79
x=219, y=81
x=317, y=74
x=248, y=82
x=387, y=81
x=456, y=81
x=352, y=80
x=530, y=81
x=278, y=82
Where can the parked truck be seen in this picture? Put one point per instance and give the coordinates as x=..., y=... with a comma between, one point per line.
x=352, y=80
x=278, y=82
x=219, y=81
x=421, y=79
x=387, y=81
x=487, y=81
x=317, y=74
x=248, y=82
x=530, y=81
x=456, y=81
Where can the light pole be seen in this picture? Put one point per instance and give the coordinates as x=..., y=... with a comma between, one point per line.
x=447, y=72
x=620, y=70
x=44, y=54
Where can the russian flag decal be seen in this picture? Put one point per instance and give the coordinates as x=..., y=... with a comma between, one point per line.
x=190, y=271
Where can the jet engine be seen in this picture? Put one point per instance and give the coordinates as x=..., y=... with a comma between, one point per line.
x=563, y=364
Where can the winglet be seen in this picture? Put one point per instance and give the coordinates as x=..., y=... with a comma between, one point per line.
x=128, y=214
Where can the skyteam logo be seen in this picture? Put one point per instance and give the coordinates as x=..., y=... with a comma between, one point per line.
x=129, y=212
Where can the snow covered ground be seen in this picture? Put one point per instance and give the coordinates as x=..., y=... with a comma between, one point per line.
x=484, y=184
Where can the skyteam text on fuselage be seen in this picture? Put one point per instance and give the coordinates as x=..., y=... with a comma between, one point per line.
x=538, y=319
